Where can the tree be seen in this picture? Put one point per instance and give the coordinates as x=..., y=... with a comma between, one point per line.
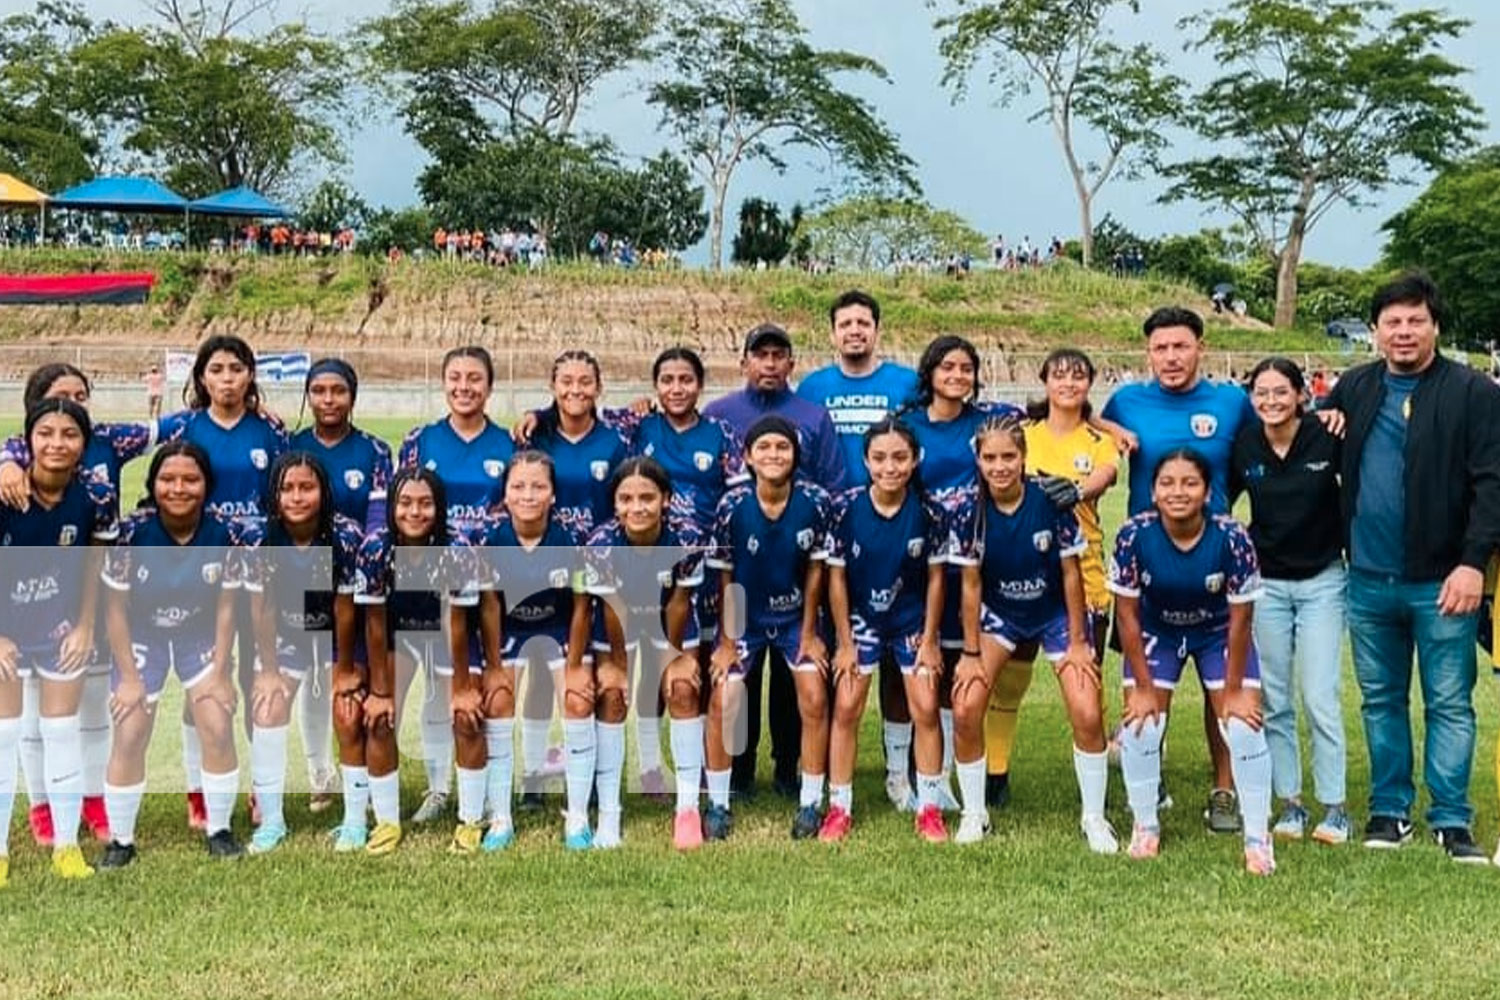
x=1452, y=230
x=1119, y=96
x=869, y=233
x=331, y=206
x=763, y=234
x=527, y=64
x=743, y=82
x=1323, y=102
x=45, y=138
x=406, y=228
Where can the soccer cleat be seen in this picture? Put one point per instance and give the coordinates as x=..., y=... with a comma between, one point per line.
x=197, y=811
x=1145, y=842
x=347, y=839
x=945, y=799
x=223, y=845
x=929, y=825
x=997, y=790
x=607, y=837
x=687, y=830
x=267, y=837
x=807, y=823
x=384, y=839
x=1100, y=835
x=117, y=855
x=718, y=821
x=434, y=804
x=972, y=828
x=1334, y=829
x=466, y=839
x=40, y=819
x=898, y=790
x=96, y=818
x=500, y=835
x=1223, y=812
x=1386, y=833
x=654, y=785
x=836, y=825
x=324, y=784
x=1260, y=856
x=1291, y=824
x=580, y=838
x=1460, y=846
x=68, y=862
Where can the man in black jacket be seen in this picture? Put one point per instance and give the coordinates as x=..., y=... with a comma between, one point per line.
x=1421, y=514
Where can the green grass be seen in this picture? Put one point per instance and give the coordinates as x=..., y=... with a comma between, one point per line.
x=1028, y=914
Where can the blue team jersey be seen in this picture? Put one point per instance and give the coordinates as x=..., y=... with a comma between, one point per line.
x=105, y=455
x=769, y=558
x=702, y=461
x=241, y=456
x=44, y=584
x=358, y=467
x=301, y=582
x=946, y=459
x=473, y=471
x=1019, y=555
x=173, y=586
x=535, y=584
x=408, y=580
x=1206, y=418
x=1184, y=592
x=583, y=468
x=885, y=559
x=644, y=578
x=854, y=403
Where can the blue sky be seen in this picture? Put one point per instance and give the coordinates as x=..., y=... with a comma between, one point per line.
x=991, y=165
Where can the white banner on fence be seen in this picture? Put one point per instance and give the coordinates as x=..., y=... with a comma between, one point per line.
x=289, y=366
x=179, y=366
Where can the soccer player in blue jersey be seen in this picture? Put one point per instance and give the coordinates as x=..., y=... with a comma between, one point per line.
x=109, y=448
x=1022, y=583
x=628, y=595
x=470, y=453
x=1185, y=581
x=945, y=414
x=302, y=588
x=225, y=419
x=359, y=470
x=886, y=547
x=399, y=584
x=47, y=620
x=169, y=608
x=533, y=555
x=768, y=548
x=860, y=388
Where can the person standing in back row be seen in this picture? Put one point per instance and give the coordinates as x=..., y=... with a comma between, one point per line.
x=1421, y=513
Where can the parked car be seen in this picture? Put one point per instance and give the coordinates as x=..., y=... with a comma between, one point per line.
x=1349, y=328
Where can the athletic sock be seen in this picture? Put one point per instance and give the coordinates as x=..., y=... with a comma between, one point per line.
x=437, y=734
x=812, y=790
x=30, y=737
x=470, y=794
x=219, y=791
x=500, y=742
x=841, y=797
x=10, y=738
x=718, y=787
x=62, y=755
x=687, y=759
x=192, y=757
x=534, y=733
x=1092, y=771
x=609, y=764
x=385, y=797
x=583, y=752
x=1140, y=763
x=648, y=742
x=897, y=736
x=945, y=723
x=122, y=804
x=268, y=773
x=1250, y=763
x=970, y=785
x=93, y=732
x=356, y=795
x=929, y=790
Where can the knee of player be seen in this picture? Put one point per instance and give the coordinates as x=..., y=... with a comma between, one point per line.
x=578, y=703
x=611, y=704
x=682, y=698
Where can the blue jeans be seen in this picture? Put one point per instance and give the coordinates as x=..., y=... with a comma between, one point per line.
x=1388, y=618
x=1299, y=633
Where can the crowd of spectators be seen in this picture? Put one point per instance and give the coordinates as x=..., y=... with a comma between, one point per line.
x=503, y=248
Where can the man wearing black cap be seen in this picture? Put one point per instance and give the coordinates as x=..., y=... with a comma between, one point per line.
x=767, y=364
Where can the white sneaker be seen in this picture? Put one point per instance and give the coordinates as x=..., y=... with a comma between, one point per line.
x=946, y=801
x=972, y=828
x=607, y=834
x=1100, y=835
x=899, y=791
x=434, y=804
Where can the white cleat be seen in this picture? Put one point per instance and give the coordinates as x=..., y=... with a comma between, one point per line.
x=972, y=828
x=434, y=804
x=1100, y=835
x=899, y=791
x=607, y=835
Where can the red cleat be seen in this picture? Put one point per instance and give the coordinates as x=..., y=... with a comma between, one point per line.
x=836, y=826
x=96, y=817
x=197, y=811
x=41, y=825
x=930, y=825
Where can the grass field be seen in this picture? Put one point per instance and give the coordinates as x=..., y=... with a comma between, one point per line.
x=1028, y=914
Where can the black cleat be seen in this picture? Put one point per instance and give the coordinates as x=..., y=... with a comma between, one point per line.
x=807, y=823
x=117, y=855
x=222, y=844
x=717, y=823
x=997, y=790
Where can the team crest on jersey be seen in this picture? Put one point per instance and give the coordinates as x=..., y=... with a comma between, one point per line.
x=650, y=450
x=854, y=550
x=430, y=465
x=1041, y=541
x=493, y=467
x=914, y=547
x=805, y=539
x=664, y=578
x=68, y=535
x=557, y=579
x=258, y=458
x=100, y=472
x=703, y=460
x=211, y=572
x=1083, y=464
x=141, y=575
x=1214, y=583
x=1204, y=425
x=353, y=478
x=753, y=545
x=599, y=470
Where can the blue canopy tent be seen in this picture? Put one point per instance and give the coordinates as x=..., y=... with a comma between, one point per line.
x=240, y=202
x=126, y=195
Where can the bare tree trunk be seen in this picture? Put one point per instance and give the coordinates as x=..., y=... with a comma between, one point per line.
x=1286, y=273
x=716, y=228
x=1086, y=221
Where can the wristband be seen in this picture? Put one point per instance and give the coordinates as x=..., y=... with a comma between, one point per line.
x=971, y=652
